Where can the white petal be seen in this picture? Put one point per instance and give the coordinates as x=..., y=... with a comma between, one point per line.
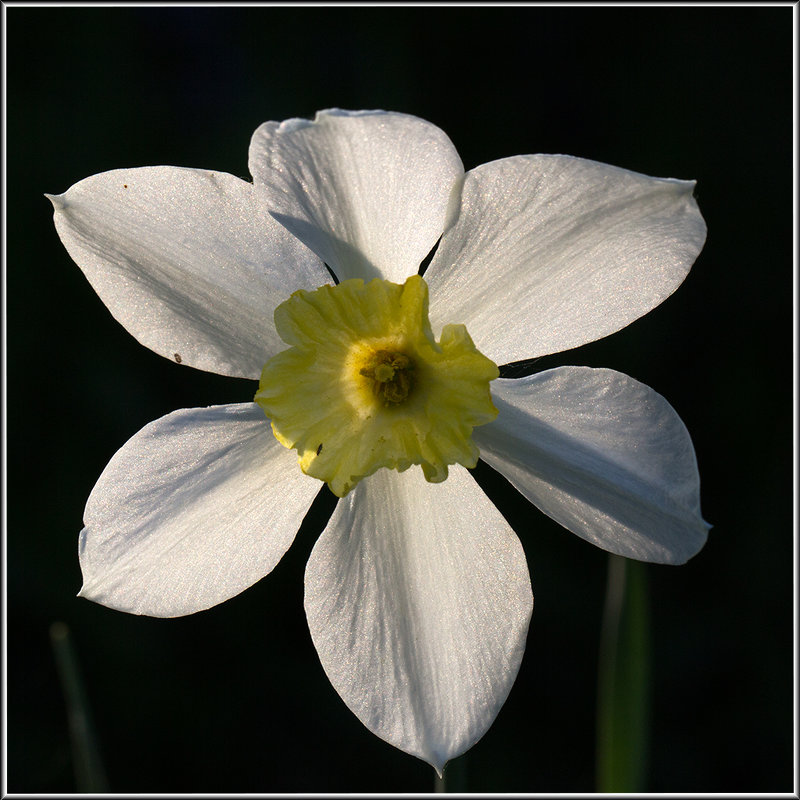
x=550, y=252
x=196, y=507
x=367, y=191
x=418, y=599
x=602, y=454
x=188, y=261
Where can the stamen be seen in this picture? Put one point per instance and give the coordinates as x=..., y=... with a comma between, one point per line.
x=390, y=376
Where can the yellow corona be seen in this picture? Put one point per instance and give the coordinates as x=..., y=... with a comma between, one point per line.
x=364, y=384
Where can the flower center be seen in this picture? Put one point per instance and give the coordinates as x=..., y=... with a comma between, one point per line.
x=391, y=376
x=364, y=385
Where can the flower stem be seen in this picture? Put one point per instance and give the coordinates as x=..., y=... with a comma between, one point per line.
x=623, y=680
x=89, y=772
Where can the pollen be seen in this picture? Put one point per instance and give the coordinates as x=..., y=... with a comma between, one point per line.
x=364, y=374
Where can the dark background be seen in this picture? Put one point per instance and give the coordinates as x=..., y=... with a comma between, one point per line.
x=234, y=699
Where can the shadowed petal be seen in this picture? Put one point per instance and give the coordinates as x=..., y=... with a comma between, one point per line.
x=367, y=191
x=602, y=454
x=550, y=252
x=196, y=507
x=418, y=599
x=188, y=260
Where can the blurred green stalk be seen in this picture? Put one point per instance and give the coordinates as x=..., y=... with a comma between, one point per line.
x=89, y=772
x=623, y=697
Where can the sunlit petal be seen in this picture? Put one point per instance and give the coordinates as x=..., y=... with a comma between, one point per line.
x=550, y=252
x=418, y=599
x=189, y=261
x=196, y=507
x=602, y=454
x=367, y=191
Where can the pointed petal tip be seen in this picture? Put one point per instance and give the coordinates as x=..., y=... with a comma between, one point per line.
x=295, y=123
x=88, y=591
x=56, y=199
x=437, y=761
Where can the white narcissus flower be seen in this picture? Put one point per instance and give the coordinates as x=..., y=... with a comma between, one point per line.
x=417, y=592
